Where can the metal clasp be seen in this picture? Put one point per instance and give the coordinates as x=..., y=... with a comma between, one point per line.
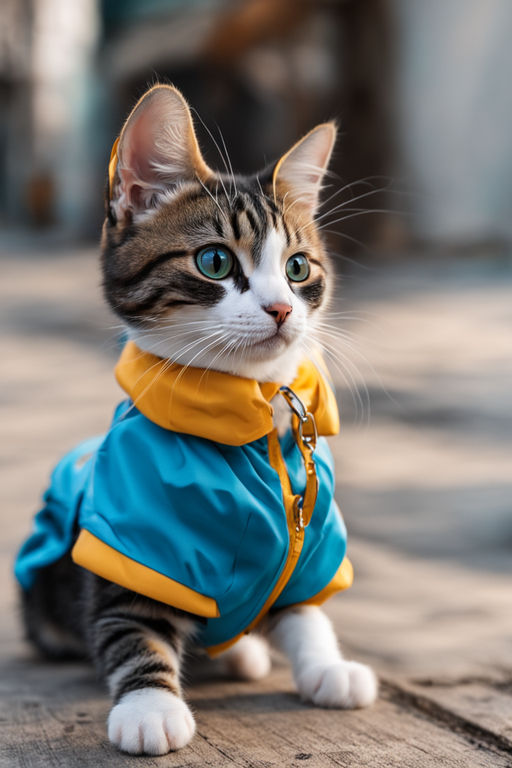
x=307, y=425
x=294, y=402
x=306, y=435
x=308, y=432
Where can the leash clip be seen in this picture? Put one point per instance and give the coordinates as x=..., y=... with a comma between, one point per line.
x=307, y=435
x=294, y=402
x=308, y=432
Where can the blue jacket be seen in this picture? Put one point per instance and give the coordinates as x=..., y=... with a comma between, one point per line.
x=209, y=526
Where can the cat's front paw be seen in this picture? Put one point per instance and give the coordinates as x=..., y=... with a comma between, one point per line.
x=150, y=721
x=341, y=685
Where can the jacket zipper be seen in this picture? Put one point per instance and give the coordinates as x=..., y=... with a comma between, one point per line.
x=295, y=527
x=294, y=524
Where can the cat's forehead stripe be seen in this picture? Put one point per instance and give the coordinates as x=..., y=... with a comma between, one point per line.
x=235, y=225
x=247, y=208
x=252, y=214
x=252, y=222
x=149, y=265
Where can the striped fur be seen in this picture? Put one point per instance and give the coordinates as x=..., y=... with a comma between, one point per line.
x=152, y=281
x=136, y=642
x=149, y=267
x=163, y=206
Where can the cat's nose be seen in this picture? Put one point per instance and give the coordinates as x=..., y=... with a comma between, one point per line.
x=279, y=312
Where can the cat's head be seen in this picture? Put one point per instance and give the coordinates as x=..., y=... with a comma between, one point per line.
x=214, y=269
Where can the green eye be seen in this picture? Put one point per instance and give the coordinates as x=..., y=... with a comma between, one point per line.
x=214, y=262
x=297, y=268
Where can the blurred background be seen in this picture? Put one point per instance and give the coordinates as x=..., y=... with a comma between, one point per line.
x=421, y=338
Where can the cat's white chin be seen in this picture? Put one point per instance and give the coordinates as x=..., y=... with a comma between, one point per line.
x=269, y=348
x=277, y=363
x=274, y=358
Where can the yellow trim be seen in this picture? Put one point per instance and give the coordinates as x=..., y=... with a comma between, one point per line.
x=93, y=554
x=295, y=532
x=343, y=579
x=217, y=406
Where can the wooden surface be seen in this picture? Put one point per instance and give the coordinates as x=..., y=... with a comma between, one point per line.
x=435, y=621
x=446, y=692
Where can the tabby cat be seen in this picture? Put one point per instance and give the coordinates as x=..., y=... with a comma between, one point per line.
x=211, y=513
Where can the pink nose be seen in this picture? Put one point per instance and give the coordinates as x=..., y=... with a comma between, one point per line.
x=279, y=312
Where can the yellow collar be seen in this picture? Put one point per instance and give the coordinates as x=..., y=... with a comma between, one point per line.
x=217, y=406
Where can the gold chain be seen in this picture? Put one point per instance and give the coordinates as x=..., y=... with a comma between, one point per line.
x=306, y=435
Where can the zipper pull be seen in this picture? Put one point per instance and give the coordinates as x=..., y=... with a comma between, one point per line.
x=297, y=513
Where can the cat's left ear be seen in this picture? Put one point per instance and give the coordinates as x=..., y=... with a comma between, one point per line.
x=157, y=149
x=299, y=173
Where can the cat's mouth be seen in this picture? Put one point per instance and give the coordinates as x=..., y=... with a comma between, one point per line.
x=273, y=338
x=273, y=344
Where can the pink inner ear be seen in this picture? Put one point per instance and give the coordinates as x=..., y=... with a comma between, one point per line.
x=157, y=149
x=138, y=150
x=303, y=167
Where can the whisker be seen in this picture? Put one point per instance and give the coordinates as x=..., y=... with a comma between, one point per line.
x=361, y=213
x=189, y=364
x=222, y=213
x=349, y=342
x=212, y=137
x=167, y=364
x=352, y=371
x=228, y=159
x=361, y=406
x=350, y=201
x=228, y=348
x=366, y=180
x=334, y=254
x=347, y=259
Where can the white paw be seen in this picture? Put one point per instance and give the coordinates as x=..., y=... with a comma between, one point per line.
x=150, y=721
x=249, y=659
x=342, y=685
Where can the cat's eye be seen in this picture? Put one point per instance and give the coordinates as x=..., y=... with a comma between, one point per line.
x=297, y=268
x=215, y=262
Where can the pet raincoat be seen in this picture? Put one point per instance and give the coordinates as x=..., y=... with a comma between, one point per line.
x=192, y=499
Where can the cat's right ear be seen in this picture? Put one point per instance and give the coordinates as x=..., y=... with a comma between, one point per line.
x=299, y=173
x=157, y=149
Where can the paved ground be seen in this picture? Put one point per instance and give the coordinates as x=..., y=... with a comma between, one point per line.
x=432, y=472
x=424, y=480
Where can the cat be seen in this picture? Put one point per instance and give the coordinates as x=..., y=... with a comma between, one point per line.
x=219, y=280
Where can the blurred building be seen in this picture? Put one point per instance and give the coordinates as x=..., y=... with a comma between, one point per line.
x=259, y=72
x=419, y=89
x=453, y=120
x=46, y=54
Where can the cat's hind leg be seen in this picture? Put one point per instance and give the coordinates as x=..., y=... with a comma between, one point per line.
x=52, y=611
x=321, y=674
x=248, y=659
x=138, y=647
